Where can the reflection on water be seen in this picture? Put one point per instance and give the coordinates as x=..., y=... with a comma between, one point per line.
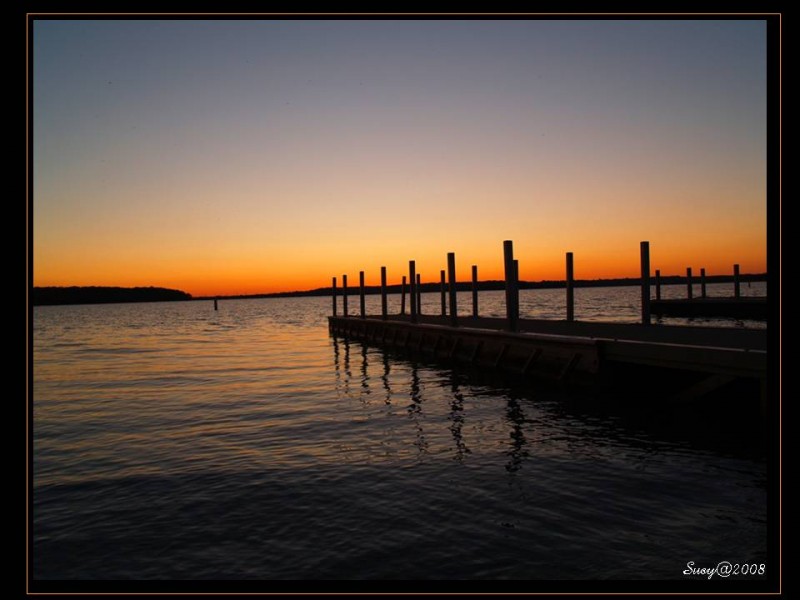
x=171, y=442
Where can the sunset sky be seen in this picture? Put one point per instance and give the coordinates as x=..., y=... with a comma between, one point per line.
x=227, y=157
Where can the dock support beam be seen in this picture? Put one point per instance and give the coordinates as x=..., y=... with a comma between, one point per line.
x=645, y=257
x=333, y=291
x=383, y=293
x=451, y=276
x=702, y=283
x=412, y=289
x=403, y=296
x=658, y=284
x=736, y=290
x=689, y=282
x=361, y=294
x=475, y=291
x=570, y=292
x=511, y=288
x=419, y=294
x=344, y=295
x=444, y=296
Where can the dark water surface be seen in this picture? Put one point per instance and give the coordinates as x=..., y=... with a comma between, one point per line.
x=175, y=442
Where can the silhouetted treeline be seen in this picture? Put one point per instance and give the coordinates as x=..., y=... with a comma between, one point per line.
x=104, y=295
x=465, y=286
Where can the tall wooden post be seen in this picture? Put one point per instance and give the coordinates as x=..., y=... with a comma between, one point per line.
x=645, y=258
x=412, y=289
x=444, y=297
x=333, y=290
x=475, y=291
x=736, y=290
x=451, y=276
x=689, y=283
x=702, y=283
x=508, y=256
x=361, y=293
x=344, y=295
x=383, y=293
x=403, y=296
x=570, y=293
x=658, y=284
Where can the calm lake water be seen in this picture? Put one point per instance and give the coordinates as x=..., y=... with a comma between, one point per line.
x=175, y=442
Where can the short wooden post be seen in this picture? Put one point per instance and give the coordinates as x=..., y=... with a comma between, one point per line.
x=383, y=293
x=736, y=290
x=475, y=291
x=444, y=297
x=570, y=293
x=702, y=283
x=689, y=282
x=344, y=295
x=412, y=289
x=403, y=296
x=215, y=304
x=516, y=288
x=419, y=294
x=658, y=284
x=451, y=276
x=333, y=290
x=508, y=260
x=645, y=259
x=361, y=293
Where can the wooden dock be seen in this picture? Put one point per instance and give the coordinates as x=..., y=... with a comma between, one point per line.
x=689, y=362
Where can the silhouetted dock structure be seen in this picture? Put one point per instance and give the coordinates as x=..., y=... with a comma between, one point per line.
x=693, y=361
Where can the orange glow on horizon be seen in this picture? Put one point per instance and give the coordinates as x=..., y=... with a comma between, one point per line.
x=252, y=276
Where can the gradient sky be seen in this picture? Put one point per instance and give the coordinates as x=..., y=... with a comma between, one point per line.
x=225, y=157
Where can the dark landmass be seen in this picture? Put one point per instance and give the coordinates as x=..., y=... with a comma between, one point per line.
x=43, y=296
x=465, y=286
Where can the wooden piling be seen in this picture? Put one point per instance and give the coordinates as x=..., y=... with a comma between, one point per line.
x=736, y=290
x=508, y=260
x=215, y=304
x=474, y=290
x=516, y=288
x=419, y=294
x=383, y=293
x=344, y=295
x=412, y=289
x=333, y=294
x=361, y=294
x=658, y=284
x=689, y=282
x=570, y=292
x=702, y=283
x=403, y=296
x=451, y=276
x=645, y=260
x=444, y=297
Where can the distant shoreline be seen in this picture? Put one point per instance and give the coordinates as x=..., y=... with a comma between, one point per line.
x=56, y=296
x=494, y=285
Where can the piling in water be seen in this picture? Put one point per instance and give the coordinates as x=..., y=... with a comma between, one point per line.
x=474, y=290
x=444, y=297
x=702, y=283
x=645, y=259
x=383, y=293
x=451, y=275
x=412, y=289
x=508, y=263
x=570, y=292
x=344, y=295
